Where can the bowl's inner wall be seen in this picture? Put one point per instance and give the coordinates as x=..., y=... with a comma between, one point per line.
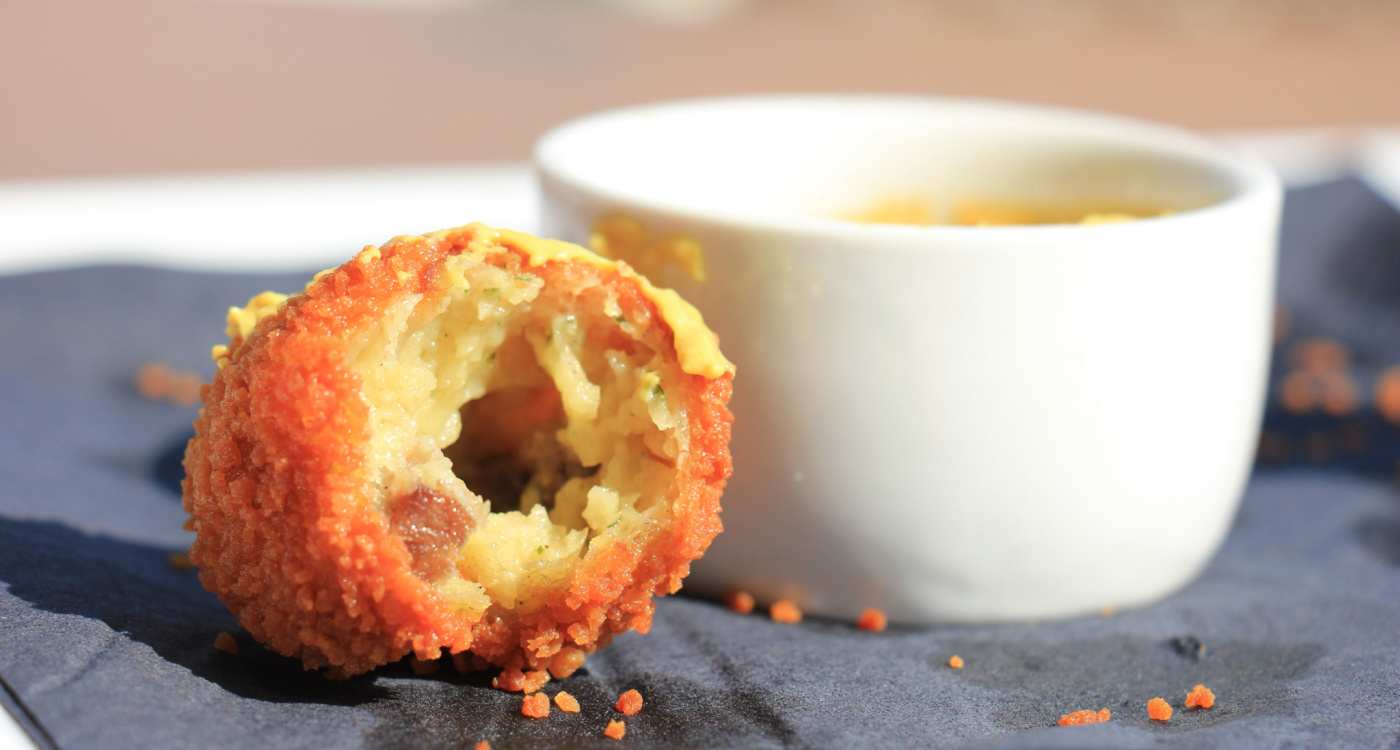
x=818, y=159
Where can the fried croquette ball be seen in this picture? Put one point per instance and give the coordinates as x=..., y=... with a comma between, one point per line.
x=474, y=440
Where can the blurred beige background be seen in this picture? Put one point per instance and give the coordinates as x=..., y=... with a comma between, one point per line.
x=99, y=87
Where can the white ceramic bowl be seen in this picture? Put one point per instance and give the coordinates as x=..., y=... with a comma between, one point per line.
x=954, y=423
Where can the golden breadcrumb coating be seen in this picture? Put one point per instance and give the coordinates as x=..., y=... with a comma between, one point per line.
x=468, y=441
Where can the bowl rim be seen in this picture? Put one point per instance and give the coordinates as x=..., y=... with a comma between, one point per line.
x=1250, y=180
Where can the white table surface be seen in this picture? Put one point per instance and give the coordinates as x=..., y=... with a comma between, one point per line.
x=303, y=220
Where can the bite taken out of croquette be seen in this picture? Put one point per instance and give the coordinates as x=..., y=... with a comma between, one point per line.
x=470, y=441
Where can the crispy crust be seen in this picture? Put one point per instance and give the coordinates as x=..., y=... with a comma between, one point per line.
x=278, y=496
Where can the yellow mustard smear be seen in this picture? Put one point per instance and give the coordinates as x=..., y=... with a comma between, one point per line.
x=981, y=213
x=697, y=347
x=621, y=237
x=242, y=321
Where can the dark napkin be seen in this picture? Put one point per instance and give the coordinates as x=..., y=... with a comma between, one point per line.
x=104, y=643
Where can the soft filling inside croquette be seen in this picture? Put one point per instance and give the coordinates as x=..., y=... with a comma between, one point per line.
x=505, y=447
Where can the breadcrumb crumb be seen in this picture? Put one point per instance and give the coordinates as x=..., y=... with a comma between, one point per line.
x=535, y=706
x=873, y=620
x=511, y=680
x=157, y=382
x=180, y=561
x=1159, y=710
x=467, y=662
x=785, y=611
x=1085, y=717
x=483, y=745
x=629, y=702
x=226, y=643
x=566, y=662
x=956, y=662
x=739, y=600
x=1200, y=697
x=616, y=729
x=566, y=703
x=534, y=681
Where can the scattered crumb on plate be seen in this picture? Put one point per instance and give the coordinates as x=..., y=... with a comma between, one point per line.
x=226, y=643
x=535, y=706
x=873, y=620
x=785, y=611
x=1159, y=710
x=1084, y=717
x=566, y=702
x=629, y=702
x=739, y=600
x=1200, y=697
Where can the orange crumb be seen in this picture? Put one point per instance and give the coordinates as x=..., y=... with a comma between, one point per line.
x=785, y=611
x=184, y=388
x=226, y=643
x=629, y=702
x=616, y=729
x=423, y=667
x=956, y=662
x=566, y=702
x=1388, y=394
x=510, y=680
x=1084, y=717
x=180, y=561
x=1274, y=447
x=536, y=706
x=1299, y=392
x=566, y=662
x=1108, y=610
x=1159, y=710
x=738, y=600
x=157, y=382
x=1319, y=447
x=1200, y=697
x=873, y=620
x=1354, y=436
x=534, y=680
x=483, y=745
x=1319, y=355
x=1340, y=394
x=152, y=380
x=467, y=663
